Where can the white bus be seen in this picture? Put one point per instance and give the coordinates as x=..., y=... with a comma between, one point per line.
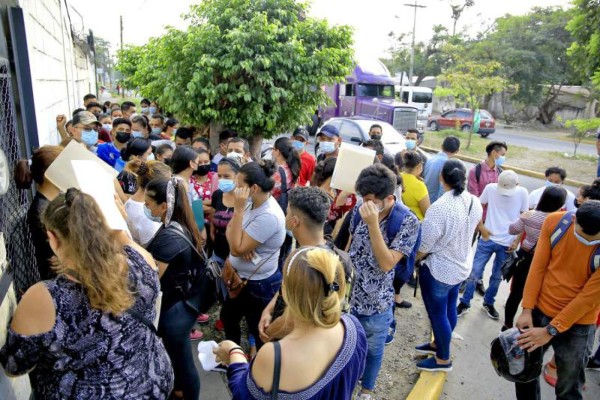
x=417, y=96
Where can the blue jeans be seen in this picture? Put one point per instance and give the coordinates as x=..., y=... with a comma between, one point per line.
x=485, y=250
x=174, y=328
x=440, y=302
x=249, y=304
x=376, y=328
x=571, y=350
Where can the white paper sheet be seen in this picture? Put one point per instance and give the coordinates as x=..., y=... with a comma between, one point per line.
x=61, y=172
x=101, y=188
x=350, y=162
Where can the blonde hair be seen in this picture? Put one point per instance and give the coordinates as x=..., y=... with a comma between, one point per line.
x=310, y=277
x=149, y=170
x=98, y=262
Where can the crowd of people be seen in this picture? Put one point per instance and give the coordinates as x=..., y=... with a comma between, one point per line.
x=315, y=272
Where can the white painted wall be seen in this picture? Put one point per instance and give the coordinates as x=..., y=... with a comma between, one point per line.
x=62, y=73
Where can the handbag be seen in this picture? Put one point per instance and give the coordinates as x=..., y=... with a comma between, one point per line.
x=509, y=265
x=276, y=371
x=233, y=282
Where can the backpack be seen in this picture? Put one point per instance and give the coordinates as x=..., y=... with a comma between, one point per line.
x=283, y=197
x=478, y=171
x=563, y=226
x=406, y=266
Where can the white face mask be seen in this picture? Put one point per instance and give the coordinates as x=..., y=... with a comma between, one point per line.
x=233, y=154
x=150, y=157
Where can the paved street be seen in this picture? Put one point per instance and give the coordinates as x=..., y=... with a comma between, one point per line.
x=534, y=141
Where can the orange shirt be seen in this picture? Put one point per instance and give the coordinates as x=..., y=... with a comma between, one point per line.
x=560, y=282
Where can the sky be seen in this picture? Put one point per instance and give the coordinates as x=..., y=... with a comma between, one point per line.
x=372, y=20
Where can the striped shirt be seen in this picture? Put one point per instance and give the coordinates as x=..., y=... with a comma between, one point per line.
x=531, y=223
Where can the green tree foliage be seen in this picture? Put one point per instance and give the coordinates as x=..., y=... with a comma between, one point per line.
x=532, y=51
x=580, y=129
x=471, y=81
x=102, y=55
x=458, y=7
x=585, y=50
x=252, y=65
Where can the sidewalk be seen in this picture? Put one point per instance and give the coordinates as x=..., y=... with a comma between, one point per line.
x=213, y=385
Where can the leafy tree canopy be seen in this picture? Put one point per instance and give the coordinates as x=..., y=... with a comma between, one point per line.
x=585, y=50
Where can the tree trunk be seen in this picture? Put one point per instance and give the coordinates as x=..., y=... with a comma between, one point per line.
x=214, y=129
x=255, y=145
x=419, y=80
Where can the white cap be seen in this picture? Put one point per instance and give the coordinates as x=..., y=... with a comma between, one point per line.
x=507, y=183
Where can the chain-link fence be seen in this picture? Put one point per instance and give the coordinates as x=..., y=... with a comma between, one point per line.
x=14, y=203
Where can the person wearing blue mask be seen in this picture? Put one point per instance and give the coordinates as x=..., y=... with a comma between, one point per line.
x=412, y=139
x=145, y=106
x=85, y=128
x=555, y=176
x=153, y=109
x=157, y=125
x=307, y=160
x=329, y=142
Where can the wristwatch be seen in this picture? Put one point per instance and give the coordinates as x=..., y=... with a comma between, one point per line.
x=551, y=330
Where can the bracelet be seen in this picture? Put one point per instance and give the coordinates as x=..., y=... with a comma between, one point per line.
x=236, y=348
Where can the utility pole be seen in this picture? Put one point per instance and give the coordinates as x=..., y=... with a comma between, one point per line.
x=412, y=48
x=121, y=20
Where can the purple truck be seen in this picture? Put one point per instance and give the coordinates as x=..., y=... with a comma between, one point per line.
x=369, y=93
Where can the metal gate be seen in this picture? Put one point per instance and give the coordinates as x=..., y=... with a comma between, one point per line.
x=13, y=202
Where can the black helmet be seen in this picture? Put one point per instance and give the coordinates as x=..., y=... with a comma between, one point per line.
x=532, y=366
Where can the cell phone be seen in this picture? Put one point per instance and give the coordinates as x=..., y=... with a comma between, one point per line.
x=256, y=259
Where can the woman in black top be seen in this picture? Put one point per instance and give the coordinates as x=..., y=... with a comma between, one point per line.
x=166, y=201
x=27, y=172
x=222, y=202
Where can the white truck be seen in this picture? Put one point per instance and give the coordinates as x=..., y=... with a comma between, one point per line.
x=416, y=96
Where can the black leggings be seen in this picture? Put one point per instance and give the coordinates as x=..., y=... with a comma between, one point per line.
x=517, y=286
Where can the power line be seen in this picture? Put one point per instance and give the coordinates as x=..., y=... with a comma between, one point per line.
x=412, y=48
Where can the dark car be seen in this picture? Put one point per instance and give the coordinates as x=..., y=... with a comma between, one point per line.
x=462, y=118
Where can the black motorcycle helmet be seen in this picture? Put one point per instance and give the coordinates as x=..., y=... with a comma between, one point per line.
x=533, y=363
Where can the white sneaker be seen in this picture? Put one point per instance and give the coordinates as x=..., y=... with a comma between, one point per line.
x=363, y=396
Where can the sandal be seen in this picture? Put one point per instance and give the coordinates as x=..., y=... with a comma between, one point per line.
x=549, y=378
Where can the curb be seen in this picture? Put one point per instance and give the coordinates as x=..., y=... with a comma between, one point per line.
x=526, y=172
x=429, y=385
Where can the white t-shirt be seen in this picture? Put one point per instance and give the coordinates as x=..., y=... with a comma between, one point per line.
x=502, y=211
x=536, y=195
x=142, y=229
x=266, y=225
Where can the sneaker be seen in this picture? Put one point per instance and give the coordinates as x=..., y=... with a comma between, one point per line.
x=195, y=334
x=219, y=325
x=480, y=289
x=403, y=304
x=363, y=396
x=425, y=348
x=593, y=364
x=390, y=337
x=202, y=318
x=491, y=311
x=220, y=368
x=462, y=309
x=430, y=364
x=463, y=287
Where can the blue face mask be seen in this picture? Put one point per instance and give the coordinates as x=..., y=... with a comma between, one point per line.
x=152, y=110
x=144, y=110
x=226, y=185
x=327, y=147
x=500, y=161
x=585, y=241
x=108, y=127
x=174, y=131
x=89, y=137
x=156, y=131
x=149, y=215
x=550, y=184
x=411, y=144
x=137, y=134
x=298, y=145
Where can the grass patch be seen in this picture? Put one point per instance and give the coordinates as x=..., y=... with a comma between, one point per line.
x=582, y=168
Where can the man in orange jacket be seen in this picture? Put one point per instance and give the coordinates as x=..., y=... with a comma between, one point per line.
x=562, y=297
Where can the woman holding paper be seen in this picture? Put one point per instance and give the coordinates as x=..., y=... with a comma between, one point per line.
x=87, y=333
x=27, y=172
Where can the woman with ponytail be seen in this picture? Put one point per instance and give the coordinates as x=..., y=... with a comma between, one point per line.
x=415, y=195
x=323, y=356
x=141, y=227
x=87, y=333
x=26, y=173
x=133, y=154
x=447, y=231
x=175, y=248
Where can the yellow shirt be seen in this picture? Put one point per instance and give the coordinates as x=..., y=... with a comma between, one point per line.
x=414, y=191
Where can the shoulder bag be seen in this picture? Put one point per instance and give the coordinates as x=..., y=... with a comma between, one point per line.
x=276, y=371
x=233, y=282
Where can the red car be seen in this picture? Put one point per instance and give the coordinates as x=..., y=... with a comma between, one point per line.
x=464, y=117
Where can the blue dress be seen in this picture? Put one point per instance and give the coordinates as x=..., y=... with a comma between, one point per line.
x=89, y=354
x=338, y=382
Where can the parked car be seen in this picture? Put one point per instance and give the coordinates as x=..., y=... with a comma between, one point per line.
x=355, y=130
x=464, y=117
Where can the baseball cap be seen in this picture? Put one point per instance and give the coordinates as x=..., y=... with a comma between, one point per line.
x=507, y=183
x=301, y=132
x=85, y=118
x=330, y=131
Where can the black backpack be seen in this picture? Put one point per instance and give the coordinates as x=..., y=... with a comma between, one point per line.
x=478, y=171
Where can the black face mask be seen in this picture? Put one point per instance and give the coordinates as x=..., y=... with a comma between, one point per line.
x=576, y=203
x=167, y=161
x=203, y=170
x=122, y=137
x=376, y=137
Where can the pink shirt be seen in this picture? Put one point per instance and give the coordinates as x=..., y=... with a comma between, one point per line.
x=488, y=175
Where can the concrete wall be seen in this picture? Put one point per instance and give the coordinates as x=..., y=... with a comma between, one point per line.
x=61, y=65
x=10, y=388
